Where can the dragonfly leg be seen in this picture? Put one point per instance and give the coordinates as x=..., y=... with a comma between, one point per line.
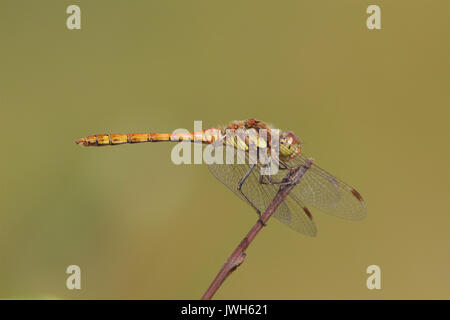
x=288, y=167
x=284, y=166
x=282, y=182
x=239, y=187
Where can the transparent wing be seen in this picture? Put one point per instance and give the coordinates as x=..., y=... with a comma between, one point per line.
x=320, y=189
x=291, y=212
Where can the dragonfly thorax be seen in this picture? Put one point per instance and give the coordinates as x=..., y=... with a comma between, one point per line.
x=289, y=145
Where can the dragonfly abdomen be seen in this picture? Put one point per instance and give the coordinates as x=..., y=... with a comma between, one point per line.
x=204, y=136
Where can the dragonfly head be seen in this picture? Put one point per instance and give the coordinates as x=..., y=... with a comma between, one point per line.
x=290, y=145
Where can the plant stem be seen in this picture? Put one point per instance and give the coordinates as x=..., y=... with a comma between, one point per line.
x=238, y=255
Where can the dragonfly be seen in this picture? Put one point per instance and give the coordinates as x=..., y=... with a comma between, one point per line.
x=317, y=188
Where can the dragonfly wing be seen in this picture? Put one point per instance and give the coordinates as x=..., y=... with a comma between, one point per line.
x=301, y=219
x=231, y=174
x=320, y=189
x=291, y=212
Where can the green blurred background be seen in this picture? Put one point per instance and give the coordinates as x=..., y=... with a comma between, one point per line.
x=372, y=107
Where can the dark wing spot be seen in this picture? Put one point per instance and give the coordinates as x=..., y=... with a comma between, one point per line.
x=357, y=195
x=308, y=213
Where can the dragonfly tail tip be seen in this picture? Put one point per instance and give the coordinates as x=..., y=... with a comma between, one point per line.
x=81, y=141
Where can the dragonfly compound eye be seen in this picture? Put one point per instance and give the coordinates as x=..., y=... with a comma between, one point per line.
x=291, y=138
